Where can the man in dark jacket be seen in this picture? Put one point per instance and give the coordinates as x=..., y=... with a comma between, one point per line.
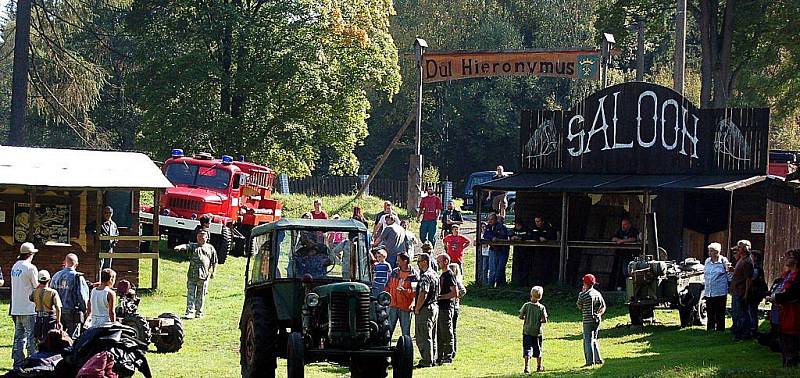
x=74, y=293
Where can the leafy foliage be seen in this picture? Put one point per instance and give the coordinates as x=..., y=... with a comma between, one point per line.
x=280, y=82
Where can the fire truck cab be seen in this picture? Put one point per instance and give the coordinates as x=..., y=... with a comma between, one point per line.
x=234, y=195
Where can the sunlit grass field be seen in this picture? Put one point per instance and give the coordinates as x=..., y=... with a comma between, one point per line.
x=489, y=335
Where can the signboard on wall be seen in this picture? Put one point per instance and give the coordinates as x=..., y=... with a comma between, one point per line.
x=51, y=223
x=573, y=64
x=642, y=128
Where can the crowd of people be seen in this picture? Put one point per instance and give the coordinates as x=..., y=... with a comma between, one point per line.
x=41, y=303
x=744, y=279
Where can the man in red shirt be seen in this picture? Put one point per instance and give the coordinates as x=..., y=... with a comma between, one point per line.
x=318, y=212
x=454, y=245
x=429, y=209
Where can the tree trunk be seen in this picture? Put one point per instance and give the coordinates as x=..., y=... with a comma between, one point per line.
x=706, y=30
x=723, y=75
x=19, y=86
x=716, y=74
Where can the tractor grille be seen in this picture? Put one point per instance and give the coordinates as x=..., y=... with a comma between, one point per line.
x=340, y=317
x=181, y=203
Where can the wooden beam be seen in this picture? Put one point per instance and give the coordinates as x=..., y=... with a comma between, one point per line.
x=117, y=255
x=31, y=214
x=154, y=247
x=386, y=153
x=130, y=237
x=563, y=251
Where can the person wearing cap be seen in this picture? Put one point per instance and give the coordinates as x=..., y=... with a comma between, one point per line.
x=715, y=273
x=740, y=287
x=430, y=207
x=48, y=307
x=24, y=279
x=202, y=263
x=107, y=228
x=74, y=293
x=318, y=212
x=592, y=306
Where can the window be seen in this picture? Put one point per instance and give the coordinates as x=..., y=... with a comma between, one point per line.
x=261, y=259
x=205, y=177
x=313, y=252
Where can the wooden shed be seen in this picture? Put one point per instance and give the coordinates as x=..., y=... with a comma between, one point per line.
x=67, y=190
x=636, y=149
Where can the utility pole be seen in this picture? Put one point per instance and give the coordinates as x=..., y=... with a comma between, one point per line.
x=608, y=45
x=415, y=160
x=19, y=81
x=640, y=49
x=680, y=46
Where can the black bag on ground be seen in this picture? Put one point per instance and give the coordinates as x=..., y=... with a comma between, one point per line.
x=117, y=339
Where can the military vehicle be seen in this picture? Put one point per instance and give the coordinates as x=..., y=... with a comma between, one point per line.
x=675, y=285
x=307, y=299
x=653, y=282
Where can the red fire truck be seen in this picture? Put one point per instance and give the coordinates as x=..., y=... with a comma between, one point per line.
x=235, y=195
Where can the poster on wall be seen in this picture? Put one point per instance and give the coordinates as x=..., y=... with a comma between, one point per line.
x=51, y=224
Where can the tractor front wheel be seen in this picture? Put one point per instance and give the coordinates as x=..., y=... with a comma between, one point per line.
x=140, y=325
x=294, y=356
x=403, y=359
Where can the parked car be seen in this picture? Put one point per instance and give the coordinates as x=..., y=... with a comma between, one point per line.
x=477, y=178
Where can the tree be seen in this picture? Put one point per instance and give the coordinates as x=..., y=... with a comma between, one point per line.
x=279, y=82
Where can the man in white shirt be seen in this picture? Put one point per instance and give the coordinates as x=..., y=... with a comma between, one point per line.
x=23, y=311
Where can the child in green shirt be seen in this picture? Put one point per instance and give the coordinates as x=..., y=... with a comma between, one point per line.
x=534, y=315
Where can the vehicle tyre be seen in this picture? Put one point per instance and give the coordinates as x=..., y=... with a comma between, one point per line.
x=259, y=336
x=699, y=313
x=294, y=356
x=635, y=312
x=171, y=338
x=403, y=359
x=369, y=367
x=223, y=244
x=140, y=325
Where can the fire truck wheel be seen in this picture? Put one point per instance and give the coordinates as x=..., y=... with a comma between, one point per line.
x=170, y=337
x=140, y=325
x=223, y=244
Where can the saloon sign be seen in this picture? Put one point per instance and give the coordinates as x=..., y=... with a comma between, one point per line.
x=641, y=128
x=575, y=64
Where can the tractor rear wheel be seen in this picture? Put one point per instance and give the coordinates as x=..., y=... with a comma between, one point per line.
x=295, y=356
x=140, y=325
x=259, y=336
x=170, y=339
x=403, y=359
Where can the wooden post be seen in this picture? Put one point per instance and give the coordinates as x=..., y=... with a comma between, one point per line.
x=98, y=225
x=386, y=153
x=154, y=246
x=564, y=250
x=31, y=214
x=730, y=221
x=645, y=233
x=479, y=268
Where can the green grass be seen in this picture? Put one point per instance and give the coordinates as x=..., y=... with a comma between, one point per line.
x=489, y=334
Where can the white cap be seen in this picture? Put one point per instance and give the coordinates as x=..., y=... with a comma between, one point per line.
x=27, y=249
x=44, y=276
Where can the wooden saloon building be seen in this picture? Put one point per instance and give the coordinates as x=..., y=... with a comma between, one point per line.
x=68, y=190
x=634, y=149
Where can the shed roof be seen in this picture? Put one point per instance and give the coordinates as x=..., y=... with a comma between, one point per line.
x=560, y=182
x=78, y=169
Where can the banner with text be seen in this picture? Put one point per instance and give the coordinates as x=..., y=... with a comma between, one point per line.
x=573, y=64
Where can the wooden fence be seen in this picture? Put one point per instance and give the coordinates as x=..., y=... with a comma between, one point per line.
x=389, y=189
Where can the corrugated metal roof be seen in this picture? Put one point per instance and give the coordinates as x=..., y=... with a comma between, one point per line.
x=554, y=182
x=75, y=169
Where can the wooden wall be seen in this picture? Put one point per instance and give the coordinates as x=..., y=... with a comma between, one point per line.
x=83, y=211
x=783, y=227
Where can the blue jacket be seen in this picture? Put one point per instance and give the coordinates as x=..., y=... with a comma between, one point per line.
x=498, y=231
x=64, y=281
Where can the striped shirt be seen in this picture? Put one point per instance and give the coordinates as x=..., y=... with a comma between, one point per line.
x=590, y=301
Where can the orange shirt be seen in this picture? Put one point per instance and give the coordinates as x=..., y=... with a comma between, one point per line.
x=401, y=299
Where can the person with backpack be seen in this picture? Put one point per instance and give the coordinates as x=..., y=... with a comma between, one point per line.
x=74, y=292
